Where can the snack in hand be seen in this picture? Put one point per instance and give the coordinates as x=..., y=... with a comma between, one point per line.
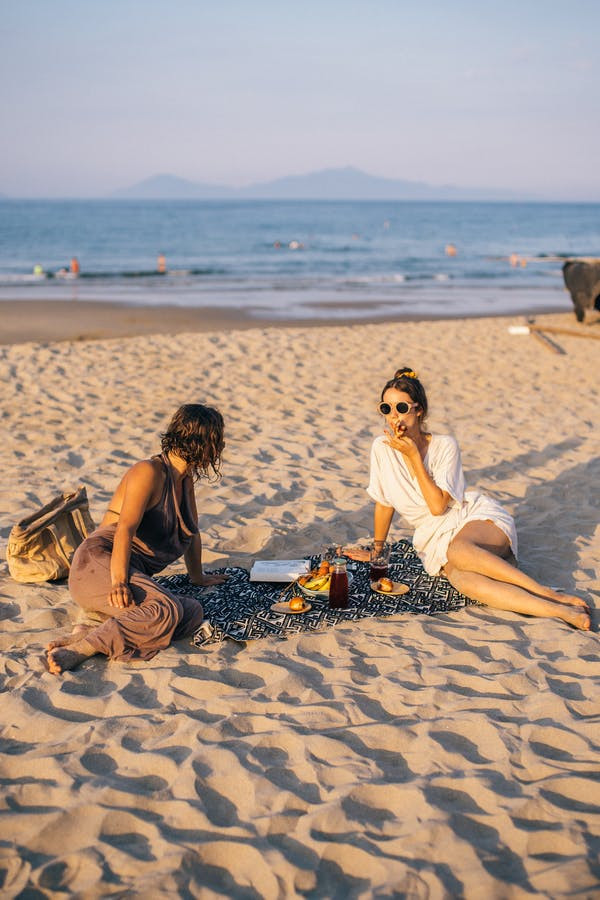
x=296, y=603
x=385, y=584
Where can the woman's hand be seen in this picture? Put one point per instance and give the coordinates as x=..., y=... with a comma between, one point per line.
x=205, y=580
x=356, y=553
x=121, y=596
x=399, y=440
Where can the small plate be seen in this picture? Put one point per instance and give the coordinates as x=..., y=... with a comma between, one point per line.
x=283, y=606
x=324, y=592
x=398, y=588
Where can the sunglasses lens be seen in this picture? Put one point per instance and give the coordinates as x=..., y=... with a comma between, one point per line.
x=402, y=408
x=385, y=409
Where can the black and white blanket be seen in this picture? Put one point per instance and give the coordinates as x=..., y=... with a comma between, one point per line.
x=241, y=609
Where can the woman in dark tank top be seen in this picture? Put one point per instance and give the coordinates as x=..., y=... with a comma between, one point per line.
x=152, y=520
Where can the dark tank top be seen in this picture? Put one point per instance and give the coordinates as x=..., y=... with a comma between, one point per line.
x=166, y=529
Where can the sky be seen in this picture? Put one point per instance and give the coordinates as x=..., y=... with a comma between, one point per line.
x=97, y=95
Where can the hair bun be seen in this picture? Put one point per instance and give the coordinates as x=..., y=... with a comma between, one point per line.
x=405, y=372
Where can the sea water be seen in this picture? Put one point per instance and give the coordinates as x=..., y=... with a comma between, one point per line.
x=299, y=259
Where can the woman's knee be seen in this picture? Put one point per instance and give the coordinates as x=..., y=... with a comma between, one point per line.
x=485, y=535
x=154, y=621
x=89, y=575
x=146, y=592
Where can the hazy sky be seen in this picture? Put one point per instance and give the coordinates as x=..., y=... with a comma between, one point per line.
x=98, y=94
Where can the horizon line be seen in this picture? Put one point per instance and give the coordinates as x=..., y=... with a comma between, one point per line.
x=241, y=199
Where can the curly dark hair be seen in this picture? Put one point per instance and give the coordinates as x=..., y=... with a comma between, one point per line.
x=407, y=380
x=195, y=433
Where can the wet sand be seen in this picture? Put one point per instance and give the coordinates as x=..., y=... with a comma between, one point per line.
x=76, y=320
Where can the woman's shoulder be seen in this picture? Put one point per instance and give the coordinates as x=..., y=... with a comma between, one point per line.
x=380, y=446
x=147, y=470
x=443, y=441
x=152, y=464
x=443, y=448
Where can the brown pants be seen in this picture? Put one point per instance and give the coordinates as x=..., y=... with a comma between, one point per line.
x=140, y=631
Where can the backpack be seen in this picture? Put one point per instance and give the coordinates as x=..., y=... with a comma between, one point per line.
x=41, y=546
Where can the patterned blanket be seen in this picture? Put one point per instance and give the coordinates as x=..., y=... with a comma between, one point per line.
x=241, y=609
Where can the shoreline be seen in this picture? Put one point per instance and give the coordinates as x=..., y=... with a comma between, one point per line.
x=82, y=320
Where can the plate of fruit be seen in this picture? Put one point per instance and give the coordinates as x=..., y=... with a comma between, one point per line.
x=316, y=582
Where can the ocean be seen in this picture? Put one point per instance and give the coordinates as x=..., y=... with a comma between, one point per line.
x=297, y=259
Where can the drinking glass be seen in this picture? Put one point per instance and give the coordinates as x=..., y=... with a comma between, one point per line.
x=330, y=552
x=379, y=558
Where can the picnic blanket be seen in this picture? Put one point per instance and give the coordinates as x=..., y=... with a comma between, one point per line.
x=241, y=610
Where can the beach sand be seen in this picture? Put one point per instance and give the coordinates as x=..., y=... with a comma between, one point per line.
x=418, y=757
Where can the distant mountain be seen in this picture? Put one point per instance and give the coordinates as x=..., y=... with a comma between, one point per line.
x=170, y=187
x=352, y=184
x=328, y=184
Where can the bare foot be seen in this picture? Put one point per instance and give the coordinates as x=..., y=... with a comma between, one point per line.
x=78, y=632
x=569, y=600
x=575, y=616
x=62, y=659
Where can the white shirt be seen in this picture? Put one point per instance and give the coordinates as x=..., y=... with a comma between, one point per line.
x=392, y=484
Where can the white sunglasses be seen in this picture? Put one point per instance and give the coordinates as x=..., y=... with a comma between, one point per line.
x=402, y=408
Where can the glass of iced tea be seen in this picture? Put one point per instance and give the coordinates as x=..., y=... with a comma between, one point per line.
x=379, y=559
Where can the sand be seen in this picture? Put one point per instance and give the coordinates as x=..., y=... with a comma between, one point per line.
x=80, y=320
x=421, y=757
x=74, y=320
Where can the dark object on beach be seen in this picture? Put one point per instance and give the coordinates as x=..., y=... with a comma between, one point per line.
x=582, y=278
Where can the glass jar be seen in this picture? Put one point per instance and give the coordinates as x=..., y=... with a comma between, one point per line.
x=338, y=588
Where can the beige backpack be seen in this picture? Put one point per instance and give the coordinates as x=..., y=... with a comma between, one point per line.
x=41, y=547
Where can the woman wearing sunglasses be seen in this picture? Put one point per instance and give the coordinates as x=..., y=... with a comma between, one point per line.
x=463, y=535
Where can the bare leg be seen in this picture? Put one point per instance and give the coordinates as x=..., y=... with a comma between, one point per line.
x=483, y=548
x=501, y=595
x=78, y=632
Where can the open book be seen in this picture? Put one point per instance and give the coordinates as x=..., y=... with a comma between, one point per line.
x=279, y=569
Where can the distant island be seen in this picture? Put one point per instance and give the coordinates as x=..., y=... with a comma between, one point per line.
x=328, y=184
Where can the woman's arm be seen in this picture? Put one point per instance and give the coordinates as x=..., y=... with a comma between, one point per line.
x=140, y=484
x=193, y=564
x=382, y=519
x=436, y=499
x=193, y=555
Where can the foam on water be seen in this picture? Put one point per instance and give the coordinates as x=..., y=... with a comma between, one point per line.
x=290, y=257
